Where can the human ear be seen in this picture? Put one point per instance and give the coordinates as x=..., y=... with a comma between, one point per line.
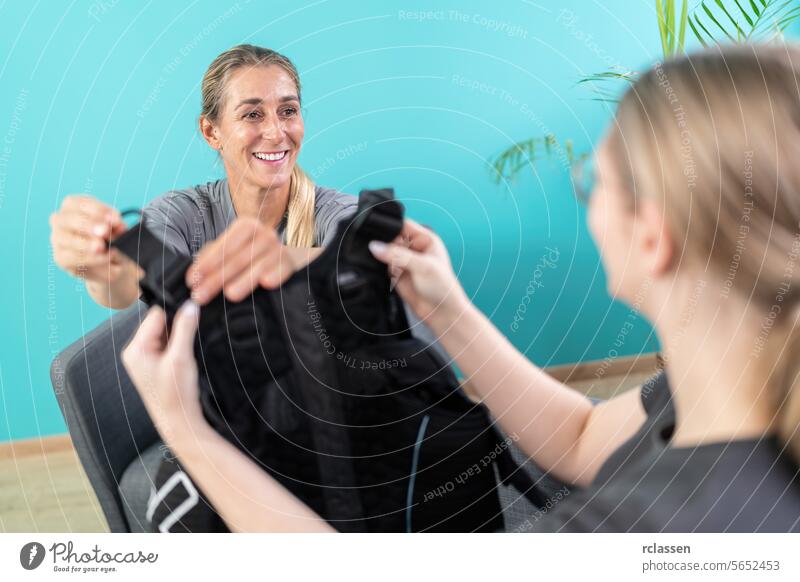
x=653, y=237
x=210, y=133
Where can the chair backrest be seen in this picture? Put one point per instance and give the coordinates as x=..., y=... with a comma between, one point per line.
x=106, y=418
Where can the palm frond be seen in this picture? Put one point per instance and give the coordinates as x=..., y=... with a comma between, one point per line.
x=507, y=164
x=629, y=76
x=740, y=21
x=598, y=83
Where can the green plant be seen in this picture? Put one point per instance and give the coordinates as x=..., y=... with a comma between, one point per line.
x=671, y=42
x=760, y=20
x=509, y=162
x=754, y=20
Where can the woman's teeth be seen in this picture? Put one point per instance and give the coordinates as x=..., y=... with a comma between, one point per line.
x=271, y=157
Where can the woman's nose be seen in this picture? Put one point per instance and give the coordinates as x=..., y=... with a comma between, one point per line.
x=271, y=128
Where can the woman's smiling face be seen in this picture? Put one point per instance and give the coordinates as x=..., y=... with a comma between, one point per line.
x=260, y=129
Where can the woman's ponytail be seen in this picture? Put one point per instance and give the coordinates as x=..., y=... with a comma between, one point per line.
x=300, y=222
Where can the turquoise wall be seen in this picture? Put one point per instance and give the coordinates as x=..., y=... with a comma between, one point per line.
x=102, y=97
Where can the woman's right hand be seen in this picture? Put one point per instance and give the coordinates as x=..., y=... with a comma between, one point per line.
x=247, y=255
x=79, y=233
x=419, y=263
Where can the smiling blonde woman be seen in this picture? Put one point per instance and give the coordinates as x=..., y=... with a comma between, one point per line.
x=259, y=221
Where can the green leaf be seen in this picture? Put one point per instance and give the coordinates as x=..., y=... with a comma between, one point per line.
x=549, y=142
x=682, y=31
x=697, y=34
x=569, y=150
x=744, y=13
x=662, y=27
x=715, y=21
x=739, y=32
x=508, y=163
x=764, y=19
x=628, y=76
x=514, y=161
x=700, y=24
x=789, y=17
x=600, y=83
x=670, y=27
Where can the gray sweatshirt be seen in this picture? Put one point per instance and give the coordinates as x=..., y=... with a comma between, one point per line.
x=187, y=219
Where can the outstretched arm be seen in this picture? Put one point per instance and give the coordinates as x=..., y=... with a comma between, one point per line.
x=165, y=374
x=556, y=425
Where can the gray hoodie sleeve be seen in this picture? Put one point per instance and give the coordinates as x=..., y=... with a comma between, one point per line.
x=169, y=217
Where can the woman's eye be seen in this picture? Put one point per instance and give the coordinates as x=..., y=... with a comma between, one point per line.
x=289, y=111
x=253, y=115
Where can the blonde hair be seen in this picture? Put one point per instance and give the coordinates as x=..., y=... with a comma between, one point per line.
x=300, y=210
x=716, y=136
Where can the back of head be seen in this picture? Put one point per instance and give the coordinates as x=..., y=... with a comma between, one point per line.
x=715, y=136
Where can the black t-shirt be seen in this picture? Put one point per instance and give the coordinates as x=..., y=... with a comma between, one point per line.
x=649, y=486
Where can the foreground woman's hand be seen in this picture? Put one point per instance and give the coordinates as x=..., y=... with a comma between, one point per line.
x=164, y=371
x=420, y=265
x=247, y=255
x=505, y=380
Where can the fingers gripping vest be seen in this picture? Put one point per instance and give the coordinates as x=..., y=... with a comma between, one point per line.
x=323, y=385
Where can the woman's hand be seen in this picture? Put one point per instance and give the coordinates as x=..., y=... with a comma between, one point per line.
x=420, y=265
x=79, y=233
x=164, y=371
x=247, y=255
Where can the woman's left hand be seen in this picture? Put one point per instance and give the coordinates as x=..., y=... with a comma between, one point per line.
x=164, y=371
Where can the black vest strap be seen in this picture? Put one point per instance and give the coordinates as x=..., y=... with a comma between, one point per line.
x=163, y=283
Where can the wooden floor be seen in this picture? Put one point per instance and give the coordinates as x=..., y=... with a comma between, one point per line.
x=43, y=487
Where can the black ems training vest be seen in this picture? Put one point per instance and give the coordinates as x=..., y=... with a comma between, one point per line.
x=322, y=384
